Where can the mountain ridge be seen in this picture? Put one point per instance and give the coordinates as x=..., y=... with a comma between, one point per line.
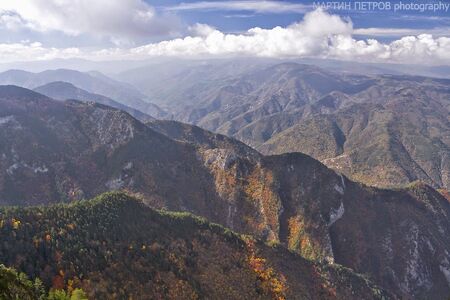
x=93, y=83
x=177, y=253
x=276, y=108
x=60, y=90
x=83, y=149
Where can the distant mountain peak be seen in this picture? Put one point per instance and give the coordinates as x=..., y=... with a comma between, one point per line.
x=19, y=93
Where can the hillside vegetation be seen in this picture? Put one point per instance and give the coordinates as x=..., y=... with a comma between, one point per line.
x=115, y=247
x=55, y=151
x=17, y=286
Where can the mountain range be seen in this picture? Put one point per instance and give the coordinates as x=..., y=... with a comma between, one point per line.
x=382, y=130
x=59, y=151
x=91, y=82
x=60, y=90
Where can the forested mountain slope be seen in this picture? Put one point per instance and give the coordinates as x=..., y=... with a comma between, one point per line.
x=115, y=247
x=54, y=151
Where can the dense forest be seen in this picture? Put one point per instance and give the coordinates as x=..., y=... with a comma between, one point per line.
x=115, y=247
x=14, y=285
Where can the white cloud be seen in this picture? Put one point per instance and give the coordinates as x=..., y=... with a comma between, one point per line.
x=319, y=35
x=12, y=21
x=256, y=6
x=116, y=19
x=398, y=32
x=25, y=51
x=201, y=29
x=309, y=37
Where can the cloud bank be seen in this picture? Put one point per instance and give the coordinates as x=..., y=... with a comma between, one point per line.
x=318, y=35
x=398, y=32
x=119, y=20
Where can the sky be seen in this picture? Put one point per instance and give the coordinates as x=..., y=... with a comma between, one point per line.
x=388, y=31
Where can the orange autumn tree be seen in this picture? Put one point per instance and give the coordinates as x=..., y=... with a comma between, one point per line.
x=271, y=282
